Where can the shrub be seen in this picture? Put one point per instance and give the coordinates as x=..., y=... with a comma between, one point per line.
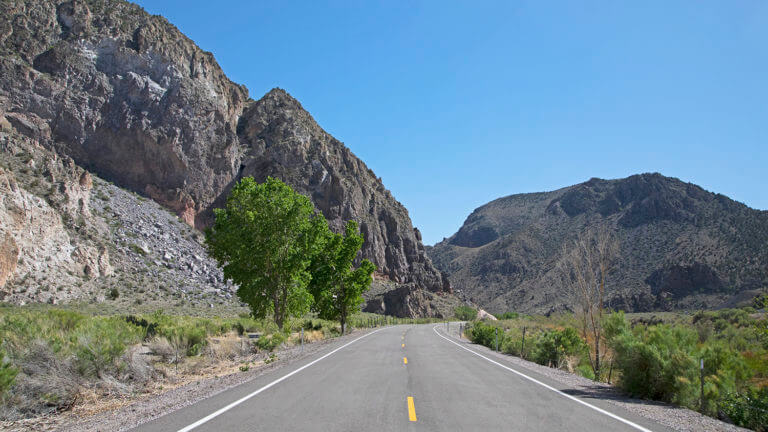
x=7, y=374
x=113, y=294
x=655, y=362
x=270, y=342
x=101, y=341
x=508, y=316
x=483, y=334
x=586, y=371
x=186, y=338
x=465, y=313
x=552, y=346
x=150, y=328
x=748, y=409
x=661, y=362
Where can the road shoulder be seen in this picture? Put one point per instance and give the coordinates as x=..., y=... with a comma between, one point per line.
x=602, y=394
x=154, y=407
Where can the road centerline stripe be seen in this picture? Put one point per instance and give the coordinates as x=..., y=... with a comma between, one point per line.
x=411, y=409
x=284, y=377
x=405, y=360
x=547, y=386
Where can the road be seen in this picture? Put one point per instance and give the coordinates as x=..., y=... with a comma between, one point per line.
x=401, y=378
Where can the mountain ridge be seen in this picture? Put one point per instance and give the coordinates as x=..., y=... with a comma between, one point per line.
x=682, y=246
x=127, y=96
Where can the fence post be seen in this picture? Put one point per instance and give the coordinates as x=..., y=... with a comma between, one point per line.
x=497, y=338
x=701, y=391
x=302, y=339
x=610, y=371
x=522, y=348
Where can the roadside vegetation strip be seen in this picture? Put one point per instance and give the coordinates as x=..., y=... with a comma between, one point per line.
x=273, y=383
x=534, y=380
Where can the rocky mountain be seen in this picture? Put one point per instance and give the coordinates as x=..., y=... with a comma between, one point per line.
x=127, y=97
x=681, y=246
x=69, y=236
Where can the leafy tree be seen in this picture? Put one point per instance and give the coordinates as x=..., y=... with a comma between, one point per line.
x=264, y=239
x=337, y=285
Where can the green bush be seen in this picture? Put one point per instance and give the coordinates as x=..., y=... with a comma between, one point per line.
x=508, y=316
x=552, y=346
x=748, y=409
x=482, y=333
x=187, y=338
x=7, y=374
x=465, y=313
x=270, y=342
x=113, y=294
x=661, y=362
x=586, y=371
x=101, y=341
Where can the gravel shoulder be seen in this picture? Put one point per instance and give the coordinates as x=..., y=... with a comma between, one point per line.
x=677, y=418
x=153, y=407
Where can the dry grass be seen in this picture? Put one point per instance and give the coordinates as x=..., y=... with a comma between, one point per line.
x=228, y=347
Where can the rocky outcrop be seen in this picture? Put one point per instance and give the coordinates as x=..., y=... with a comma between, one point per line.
x=130, y=98
x=681, y=246
x=35, y=243
x=285, y=142
x=66, y=235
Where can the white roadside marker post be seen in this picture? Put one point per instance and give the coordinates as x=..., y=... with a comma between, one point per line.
x=701, y=380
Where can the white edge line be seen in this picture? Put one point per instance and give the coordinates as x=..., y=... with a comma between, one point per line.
x=245, y=398
x=600, y=410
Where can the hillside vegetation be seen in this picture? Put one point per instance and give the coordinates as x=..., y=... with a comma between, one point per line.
x=656, y=356
x=55, y=359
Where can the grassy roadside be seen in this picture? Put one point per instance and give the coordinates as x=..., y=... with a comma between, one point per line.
x=57, y=359
x=655, y=356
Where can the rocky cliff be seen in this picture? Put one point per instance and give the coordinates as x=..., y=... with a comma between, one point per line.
x=69, y=236
x=128, y=97
x=681, y=246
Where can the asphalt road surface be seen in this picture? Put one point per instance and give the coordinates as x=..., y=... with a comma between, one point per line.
x=401, y=378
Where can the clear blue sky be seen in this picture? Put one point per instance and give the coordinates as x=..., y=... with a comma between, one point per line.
x=456, y=103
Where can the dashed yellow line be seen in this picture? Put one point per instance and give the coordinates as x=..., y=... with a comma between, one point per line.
x=411, y=409
x=405, y=360
x=403, y=345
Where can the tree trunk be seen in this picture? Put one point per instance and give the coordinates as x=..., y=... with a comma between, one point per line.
x=597, y=358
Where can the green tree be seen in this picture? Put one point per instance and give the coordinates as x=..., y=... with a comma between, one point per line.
x=337, y=285
x=264, y=239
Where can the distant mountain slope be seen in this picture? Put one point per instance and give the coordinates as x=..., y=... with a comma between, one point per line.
x=130, y=98
x=682, y=247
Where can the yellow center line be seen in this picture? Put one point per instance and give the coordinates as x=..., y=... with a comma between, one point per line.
x=405, y=360
x=403, y=345
x=411, y=409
